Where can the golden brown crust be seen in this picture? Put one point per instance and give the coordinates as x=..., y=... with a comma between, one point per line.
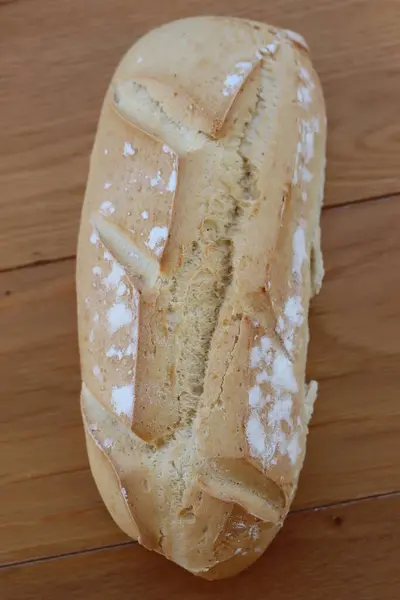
x=199, y=252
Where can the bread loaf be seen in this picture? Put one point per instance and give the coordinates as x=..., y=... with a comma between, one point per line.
x=199, y=251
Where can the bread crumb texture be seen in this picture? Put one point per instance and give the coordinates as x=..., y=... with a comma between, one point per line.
x=199, y=252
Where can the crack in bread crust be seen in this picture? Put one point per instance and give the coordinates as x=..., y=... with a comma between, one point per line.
x=213, y=246
x=217, y=243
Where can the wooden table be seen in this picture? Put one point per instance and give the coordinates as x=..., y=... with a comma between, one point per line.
x=56, y=539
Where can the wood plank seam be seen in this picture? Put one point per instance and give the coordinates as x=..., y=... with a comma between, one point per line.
x=361, y=201
x=94, y=549
x=44, y=262
x=50, y=557
x=39, y=263
x=354, y=434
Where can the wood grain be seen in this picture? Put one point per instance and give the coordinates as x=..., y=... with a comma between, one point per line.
x=48, y=502
x=57, y=57
x=344, y=553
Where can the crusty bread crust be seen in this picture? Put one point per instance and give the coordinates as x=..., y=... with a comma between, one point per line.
x=199, y=251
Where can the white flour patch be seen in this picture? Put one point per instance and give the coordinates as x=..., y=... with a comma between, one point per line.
x=122, y=289
x=261, y=353
x=281, y=410
x=120, y=353
x=262, y=377
x=255, y=396
x=156, y=239
x=234, y=80
x=308, y=151
x=295, y=178
x=97, y=373
x=107, y=208
x=304, y=95
x=294, y=318
x=114, y=278
x=269, y=411
x=293, y=448
x=294, y=311
x=156, y=180
x=255, y=433
x=122, y=400
x=94, y=238
x=244, y=66
x=130, y=350
x=269, y=49
x=231, y=83
x=171, y=187
x=314, y=124
x=129, y=150
x=305, y=76
x=118, y=316
x=281, y=324
x=282, y=377
x=114, y=352
x=306, y=175
x=299, y=251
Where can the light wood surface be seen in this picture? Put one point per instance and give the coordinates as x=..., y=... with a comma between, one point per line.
x=56, y=59
x=56, y=539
